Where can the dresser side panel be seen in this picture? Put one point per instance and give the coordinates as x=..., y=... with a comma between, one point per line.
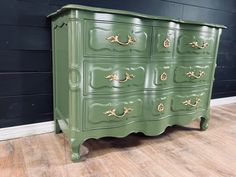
x=60, y=72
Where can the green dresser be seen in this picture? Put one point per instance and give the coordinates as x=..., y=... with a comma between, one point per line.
x=117, y=72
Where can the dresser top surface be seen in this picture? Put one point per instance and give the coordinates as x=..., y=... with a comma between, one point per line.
x=129, y=13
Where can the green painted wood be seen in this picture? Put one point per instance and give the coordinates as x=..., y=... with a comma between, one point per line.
x=98, y=44
x=192, y=73
x=160, y=35
x=98, y=77
x=201, y=36
x=145, y=79
x=99, y=112
x=189, y=101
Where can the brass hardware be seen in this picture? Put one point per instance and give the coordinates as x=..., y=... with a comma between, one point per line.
x=163, y=76
x=114, y=77
x=194, y=44
x=166, y=43
x=112, y=112
x=160, y=107
x=189, y=102
x=115, y=38
x=191, y=74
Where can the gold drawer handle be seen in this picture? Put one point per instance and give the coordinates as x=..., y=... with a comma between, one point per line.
x=115, y=38
x=163, y=76
x=112, y=112
x=189, y=102
x=191, y=74
x=195, y=44
x=160, y=107
x=114, y=77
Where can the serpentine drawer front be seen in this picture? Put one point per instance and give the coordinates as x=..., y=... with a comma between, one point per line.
x=116, y=39
x=108, y=78
x=117, y=72
x=109, y=113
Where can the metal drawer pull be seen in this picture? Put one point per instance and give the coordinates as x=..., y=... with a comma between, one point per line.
x=112, y=112
x=191, y=74
x=166, y=43
x=194, y=44
x=114, y=77
x=189, y=102
x=113, y=39
x=163, y=76
x=160, y=107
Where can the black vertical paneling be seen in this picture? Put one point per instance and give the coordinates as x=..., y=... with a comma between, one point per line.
x=25, y=49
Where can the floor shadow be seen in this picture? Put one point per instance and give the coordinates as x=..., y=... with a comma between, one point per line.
x=110, y=144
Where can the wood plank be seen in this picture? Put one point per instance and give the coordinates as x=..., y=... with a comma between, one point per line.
x=211, y=4
x=20, y=110
x=225, y=73
x=25, y=83
x=40, y=164
x=25, y=61
x=31, y=13
x=208, y=15
x=25, y=38
x=224, y=86
x=12, y=159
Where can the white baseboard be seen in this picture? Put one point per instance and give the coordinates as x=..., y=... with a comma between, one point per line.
x=46, y=127
x=222, y=101
x=26, y=130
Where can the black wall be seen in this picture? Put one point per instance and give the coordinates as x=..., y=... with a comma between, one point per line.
x=25, y=49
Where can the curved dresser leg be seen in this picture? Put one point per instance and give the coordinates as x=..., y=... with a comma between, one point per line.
x=57, y=127
x=75, y=150
x=204, y=123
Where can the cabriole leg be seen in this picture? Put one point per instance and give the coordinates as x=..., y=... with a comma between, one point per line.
x=204, y=123
x=75, y=150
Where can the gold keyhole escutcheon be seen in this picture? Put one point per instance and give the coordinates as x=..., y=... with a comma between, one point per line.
x=163, y=76
x=160, y=107
x=166, y=43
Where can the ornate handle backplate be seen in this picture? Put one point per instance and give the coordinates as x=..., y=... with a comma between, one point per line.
x=114, y=77
x=160, y=107
x=195, y=45
x=112, y=112
x=191, y=74
x=115, y=39
x=192, y=104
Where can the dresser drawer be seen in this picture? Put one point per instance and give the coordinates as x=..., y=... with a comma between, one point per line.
x=116, y=39
x=192, y=74
x=185, y=101
x=108, y=78
x=160, y=105
x=182, y=74
x=108, y=113
x=164, y=41
x=163, y=75
x=193, y=43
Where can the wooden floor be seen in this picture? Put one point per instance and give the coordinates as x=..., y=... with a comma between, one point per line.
x=179, y=152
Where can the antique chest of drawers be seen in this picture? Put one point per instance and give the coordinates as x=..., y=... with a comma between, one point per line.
x=117, y=72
